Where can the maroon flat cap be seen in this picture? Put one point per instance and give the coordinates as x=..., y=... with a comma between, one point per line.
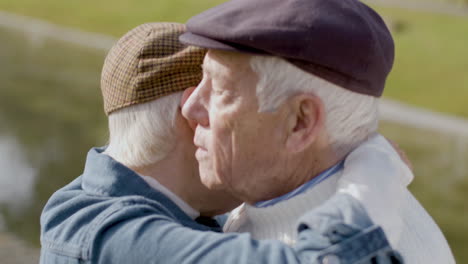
x=342, y=41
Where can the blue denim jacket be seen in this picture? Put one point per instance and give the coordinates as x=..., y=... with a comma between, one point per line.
x=110, y=215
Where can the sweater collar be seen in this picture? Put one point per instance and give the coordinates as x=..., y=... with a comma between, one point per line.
x=306, y=186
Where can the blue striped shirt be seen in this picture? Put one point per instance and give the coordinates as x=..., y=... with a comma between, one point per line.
x=316, y=180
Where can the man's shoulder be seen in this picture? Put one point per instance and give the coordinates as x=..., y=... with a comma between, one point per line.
x=420, y=234
x=72, y=218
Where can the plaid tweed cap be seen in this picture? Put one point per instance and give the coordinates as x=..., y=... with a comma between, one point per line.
x=147, y=63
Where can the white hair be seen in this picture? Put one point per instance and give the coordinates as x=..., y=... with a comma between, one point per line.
x=350, y=117
x=143, y=134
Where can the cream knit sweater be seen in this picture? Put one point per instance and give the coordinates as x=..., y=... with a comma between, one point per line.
x=376, y=176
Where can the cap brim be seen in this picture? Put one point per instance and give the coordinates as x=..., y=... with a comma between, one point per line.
x=189, y=38
x=204, y=42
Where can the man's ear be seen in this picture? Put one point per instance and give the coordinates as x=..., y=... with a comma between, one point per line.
x=185, y=95
x=307, y=121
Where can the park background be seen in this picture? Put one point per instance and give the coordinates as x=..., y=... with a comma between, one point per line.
x=51, y=112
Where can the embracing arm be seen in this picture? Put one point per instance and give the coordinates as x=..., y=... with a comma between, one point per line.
x=146, y=237
x=149, y=238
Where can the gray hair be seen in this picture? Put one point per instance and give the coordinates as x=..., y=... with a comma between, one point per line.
x=350, y=117
x=143, y=134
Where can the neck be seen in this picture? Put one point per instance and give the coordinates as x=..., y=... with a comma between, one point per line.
x=324, y=161
x=178, y=172
x=323, y=156
x=300, y=169
x=175, y=172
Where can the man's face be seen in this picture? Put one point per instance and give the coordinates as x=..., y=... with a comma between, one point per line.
x=238, y=148
x=207, y=202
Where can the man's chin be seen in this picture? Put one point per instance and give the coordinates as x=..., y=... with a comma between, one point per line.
x=213, y=186
x=211, y=182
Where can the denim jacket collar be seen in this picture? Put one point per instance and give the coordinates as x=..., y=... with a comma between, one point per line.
x=104, y=176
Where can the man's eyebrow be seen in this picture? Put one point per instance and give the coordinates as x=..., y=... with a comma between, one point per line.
x=207, y=69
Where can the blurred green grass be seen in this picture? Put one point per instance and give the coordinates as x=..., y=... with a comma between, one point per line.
x=440, y=164
x=62, y=88
x=431, y=59
x=461, y=3
x=431, y=63
x=50, y=103
x=114, y=17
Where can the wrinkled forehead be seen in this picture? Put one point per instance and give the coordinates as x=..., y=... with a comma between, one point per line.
x=226, y=63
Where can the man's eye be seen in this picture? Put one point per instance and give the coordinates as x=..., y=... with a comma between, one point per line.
x=218, y=91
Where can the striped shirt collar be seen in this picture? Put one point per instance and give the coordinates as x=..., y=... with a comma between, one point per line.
x=301, y=189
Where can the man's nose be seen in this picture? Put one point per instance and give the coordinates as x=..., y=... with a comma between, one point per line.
x=194, y=109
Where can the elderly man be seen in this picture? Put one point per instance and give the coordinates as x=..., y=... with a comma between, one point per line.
x=289, y=89
x=139, y=200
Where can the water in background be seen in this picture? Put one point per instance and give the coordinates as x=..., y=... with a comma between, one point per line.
x=51, y=115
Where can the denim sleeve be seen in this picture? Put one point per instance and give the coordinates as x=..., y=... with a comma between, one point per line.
x=340, y=231
x=138, y=235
